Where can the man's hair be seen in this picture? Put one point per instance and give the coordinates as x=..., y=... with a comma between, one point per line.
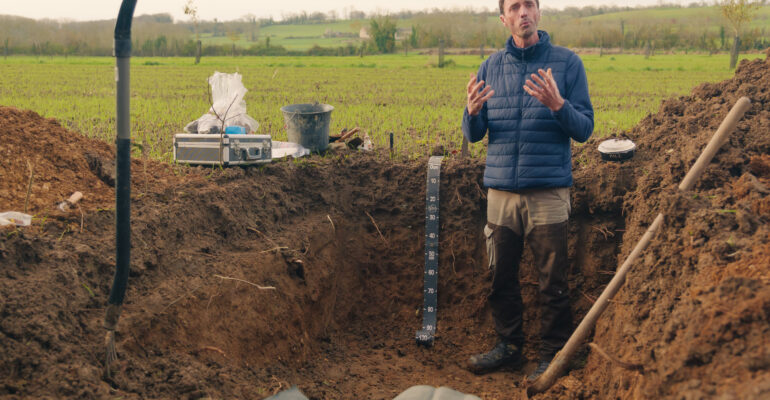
x=502, y=4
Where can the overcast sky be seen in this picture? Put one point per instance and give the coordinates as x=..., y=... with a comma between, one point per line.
x=84, y=10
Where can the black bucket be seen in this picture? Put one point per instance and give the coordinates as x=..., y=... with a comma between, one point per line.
x=308, y=124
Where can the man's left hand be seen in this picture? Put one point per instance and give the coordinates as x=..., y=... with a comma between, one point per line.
x=544, y=89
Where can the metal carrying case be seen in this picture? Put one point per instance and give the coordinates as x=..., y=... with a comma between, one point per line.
x=236, y=149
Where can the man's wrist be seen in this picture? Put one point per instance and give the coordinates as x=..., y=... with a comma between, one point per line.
x=559, y=106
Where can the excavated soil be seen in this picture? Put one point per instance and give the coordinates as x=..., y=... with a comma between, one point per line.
x=309, y=272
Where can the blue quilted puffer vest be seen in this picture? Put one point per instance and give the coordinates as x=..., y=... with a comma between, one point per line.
x=529, y=145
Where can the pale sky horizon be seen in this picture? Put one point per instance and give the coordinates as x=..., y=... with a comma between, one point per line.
x=224, y=10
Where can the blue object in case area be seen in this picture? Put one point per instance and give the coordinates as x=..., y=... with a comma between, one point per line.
x=235, y=130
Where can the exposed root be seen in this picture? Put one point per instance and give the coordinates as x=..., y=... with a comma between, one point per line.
x=591, y=299
x=258, y=232
x=82, y=217
x=483, y=195
x=245, y=281
x=274, y=249
x=183, y=251
x=377, y=227
x=277, y=385
x=613, y=360
x=605, y=272
x=604, y=231
x=29, y=185
x=180, y=298
x=215, y=349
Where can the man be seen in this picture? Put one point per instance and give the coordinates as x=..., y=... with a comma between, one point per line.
x=533, y=99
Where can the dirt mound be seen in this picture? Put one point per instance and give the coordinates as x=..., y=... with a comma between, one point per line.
x=309, y=271
x=695, y=308
x=60, y=163
x=339, y=238
x=57, y=160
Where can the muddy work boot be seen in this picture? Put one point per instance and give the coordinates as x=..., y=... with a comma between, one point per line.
x=504, y=353
x=542, y=365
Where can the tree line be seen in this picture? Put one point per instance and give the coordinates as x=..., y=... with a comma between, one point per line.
x=623, y=28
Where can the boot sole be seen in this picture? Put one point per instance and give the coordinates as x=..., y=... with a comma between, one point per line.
x=515, y=365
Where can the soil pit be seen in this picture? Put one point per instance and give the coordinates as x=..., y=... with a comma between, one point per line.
x=309, y=272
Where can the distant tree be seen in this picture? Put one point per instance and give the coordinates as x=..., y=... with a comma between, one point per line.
x=164, y=18
x=317, y=17
x=191, y=10
x=147, y=47
x=722, y=37
x=234, y=37
x=253, y=23
x=383, y=33
x=737, y=13
x=622, y=34
x=160, y=46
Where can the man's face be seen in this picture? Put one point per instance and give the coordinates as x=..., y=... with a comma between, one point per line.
x=521, y=17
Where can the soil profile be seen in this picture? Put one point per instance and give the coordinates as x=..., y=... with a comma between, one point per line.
x=339, y=241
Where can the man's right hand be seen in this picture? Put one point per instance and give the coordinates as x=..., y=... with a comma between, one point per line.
x=476, y=98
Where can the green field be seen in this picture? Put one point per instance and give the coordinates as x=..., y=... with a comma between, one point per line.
x=708, y=16
x=301, y=37
x=421, y=104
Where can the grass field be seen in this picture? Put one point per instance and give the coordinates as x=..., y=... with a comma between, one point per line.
x=302, y=37
x=421, y=104
x=708, y=16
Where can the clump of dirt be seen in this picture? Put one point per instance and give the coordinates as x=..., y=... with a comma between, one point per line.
x=309, y=272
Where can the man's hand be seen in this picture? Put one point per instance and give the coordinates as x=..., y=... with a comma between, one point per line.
x=476, y=98
x=545, y=90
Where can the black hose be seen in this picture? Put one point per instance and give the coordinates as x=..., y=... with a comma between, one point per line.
x=122, y=222
x=123, y=29
x=123, y=165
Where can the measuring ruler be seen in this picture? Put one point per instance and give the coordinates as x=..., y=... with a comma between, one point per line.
x=430, y=292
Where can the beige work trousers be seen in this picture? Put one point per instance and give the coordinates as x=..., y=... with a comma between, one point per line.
x=522, y=211
x=538, y=216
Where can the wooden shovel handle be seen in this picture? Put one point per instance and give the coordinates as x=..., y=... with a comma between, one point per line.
x=720, y=137
x=349, y=133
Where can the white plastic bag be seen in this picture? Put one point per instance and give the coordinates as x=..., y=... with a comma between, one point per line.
x=367, y=145
x=283, y=149
x=227, y=92
x=15, y=218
